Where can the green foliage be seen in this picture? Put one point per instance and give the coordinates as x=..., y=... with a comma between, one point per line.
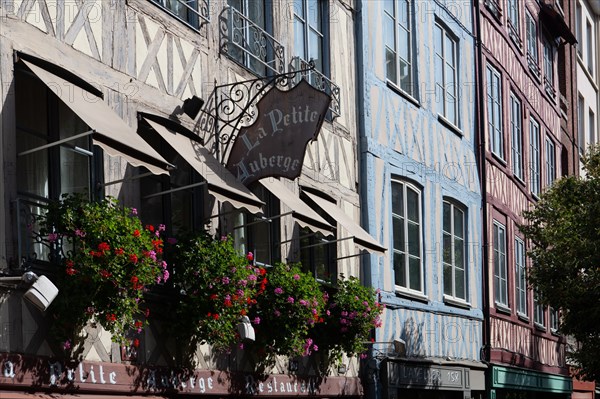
x=564, y=228
x=107, y=260
x=218, y=287
x=352, y=313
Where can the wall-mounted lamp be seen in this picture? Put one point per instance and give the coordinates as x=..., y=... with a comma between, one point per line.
x=399, y=347
x=192, y=106
x=40, y=294
x=245, y=329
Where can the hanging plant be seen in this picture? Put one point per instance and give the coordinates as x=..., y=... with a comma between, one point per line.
x=218, y=286
x=351, y=314
x=106, y=260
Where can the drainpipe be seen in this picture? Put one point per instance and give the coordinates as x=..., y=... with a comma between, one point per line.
x=480, y=148
x=370, y=368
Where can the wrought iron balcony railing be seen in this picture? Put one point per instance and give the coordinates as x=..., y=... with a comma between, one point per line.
x=318, y=81
x=249, y=44
x=31, y=245
x=549, y=87
x=192, y=12
x=533, y=66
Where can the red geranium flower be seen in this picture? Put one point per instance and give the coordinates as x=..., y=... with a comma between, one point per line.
x=104, y=273
x=136, y=342
x=70, y=271
x=136, y=233
x=133, y=258
x=119, y=251
x=103, y=247
x=149, y=227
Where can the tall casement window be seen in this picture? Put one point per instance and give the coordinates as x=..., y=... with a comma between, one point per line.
x=446, y=77
x=189, y=11
x=539, y=317
x=549, y=68
x=500, y=272
x=514, y=24
x=590, y=46
x=399, y=50
x=554, y=320
x=581, y=123
x=42, y=118
x=249, y=43
x=520, y=277
x=310, y=31
x=454, y=258
x=550, y=162
x=516, y=120
x=592, y=126
x=534, y=157
x=532, y=44
x=494, y=111
x=406, y=225
x=578, y=26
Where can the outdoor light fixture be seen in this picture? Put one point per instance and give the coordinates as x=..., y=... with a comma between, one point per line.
x=399, y=347
x=191, y=106
x=40, y=294
x=245, y=329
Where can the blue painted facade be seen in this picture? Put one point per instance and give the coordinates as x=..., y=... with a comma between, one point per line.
x=406, y=139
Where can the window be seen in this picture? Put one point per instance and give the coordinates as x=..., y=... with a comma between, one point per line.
x=592, y=126
x=407, y=236
x=398, y=28
x=590, y=46
x=516, y=119
x=554, y=320
x=532, y=46
x=534, y=153
x=514, y=27
x=42, y=118
x=520, y=277
x=494, y=111
x=550, y=162
x=539, y=317
x=454, y=258
x=581, y=124
x=494, y=7
x=500, y=272
x=189, y=11
x=578, y=24
x=248, y=42
x=446, y=78
x=310, y=24
x=549, y=68
x=318, y=254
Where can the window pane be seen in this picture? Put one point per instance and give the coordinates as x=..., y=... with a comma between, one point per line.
x=315, y=51
x=460, y=284
x=299, y=37
x=447, y=217
x=399, y=238
x=32, y=169
x=459, y=253
x=412, y=205
x=414, y=242
x=390, y=65
x=397, y=199
x=458, y=223
x=447, y=257
x=448, y=280
x=400, y=269
x=299, y=8
x=314, y=14
x=74, y=172
x=415, y=273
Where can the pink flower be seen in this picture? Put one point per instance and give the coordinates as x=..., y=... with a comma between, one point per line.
x=80, y=233
x=242, y=345
x=52, y=237
x=250, y=256
x=252, y=277
x=296, y=277
x=158, y=279
x=363, y=355
x=134, y=211
x=277, y=313
x=315, y=348
x=225, y=280
x=161, y=227
x=290, y=299
x=256, y=320
x=166, y=275
x=67, y=345
x=163, y=264
x=278, y=290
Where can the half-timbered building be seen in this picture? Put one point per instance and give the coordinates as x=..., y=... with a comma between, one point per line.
x=526, y=81
x=91, y=95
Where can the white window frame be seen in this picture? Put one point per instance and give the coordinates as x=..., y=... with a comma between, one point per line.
x=554, y=320
x=303, y=22
x=447, y=87
x=513, y=16
x=581, y=124
x=401, y=19
x=534, y=157
x=592, y=126
x=494, y=111
x=532, y=42
x=539, y=314
x=550, y=162
x=500, y=265
x=516, y=127
x=520, y=277
x=455, y=238
x=589, y=29
x=404, y=186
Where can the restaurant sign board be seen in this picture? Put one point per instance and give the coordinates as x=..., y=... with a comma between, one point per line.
x=274, y=145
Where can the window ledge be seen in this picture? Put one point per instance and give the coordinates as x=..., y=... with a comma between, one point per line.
x=499, y=159
x=411, y=295
x=539, y=326
x=402, y=93
x=455, y=129
x=523, y=317
x=503, y=308
x=554, y=331
x=452, y=301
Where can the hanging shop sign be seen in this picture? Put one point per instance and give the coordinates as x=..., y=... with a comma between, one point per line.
x=23, y=372
x=274, y=145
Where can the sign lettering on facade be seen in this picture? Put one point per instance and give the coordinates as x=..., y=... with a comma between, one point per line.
x=275, y=143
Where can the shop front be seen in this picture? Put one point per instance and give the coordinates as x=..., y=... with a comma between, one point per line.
x=510, y=382
x=423, y=380
x=39, y=377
